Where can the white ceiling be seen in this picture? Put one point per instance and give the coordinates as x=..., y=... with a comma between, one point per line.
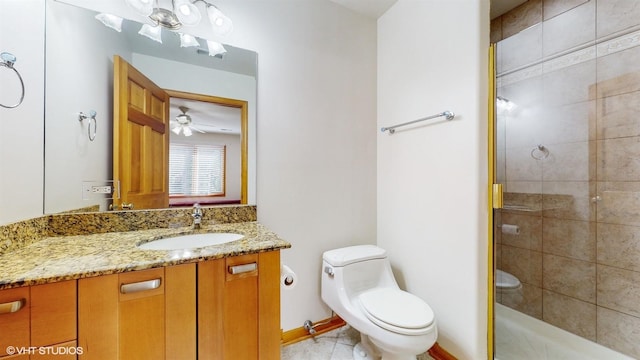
x=208, y=117
x=371, y=8
x=375, y=8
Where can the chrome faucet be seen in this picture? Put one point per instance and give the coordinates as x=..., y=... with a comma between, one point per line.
x=197, y=216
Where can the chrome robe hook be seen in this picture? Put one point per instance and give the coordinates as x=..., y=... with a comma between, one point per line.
x=7, y=60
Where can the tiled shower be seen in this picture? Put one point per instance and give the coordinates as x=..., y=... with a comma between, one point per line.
x=568, y=153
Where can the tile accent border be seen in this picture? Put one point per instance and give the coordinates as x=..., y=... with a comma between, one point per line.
x=591, y=50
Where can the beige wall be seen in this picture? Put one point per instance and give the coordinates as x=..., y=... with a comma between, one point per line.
x=432, y=176
x=578, y=251
x=316, y=133
x=21, y=128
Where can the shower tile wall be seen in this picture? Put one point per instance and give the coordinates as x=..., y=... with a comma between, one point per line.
x=572, y=69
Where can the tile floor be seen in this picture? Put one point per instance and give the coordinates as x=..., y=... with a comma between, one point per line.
x=334, y=345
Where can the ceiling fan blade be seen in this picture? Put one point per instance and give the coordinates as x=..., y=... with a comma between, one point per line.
x=196, y=129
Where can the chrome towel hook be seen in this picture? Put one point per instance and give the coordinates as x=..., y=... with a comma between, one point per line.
x=91, y=116
x=7, y=60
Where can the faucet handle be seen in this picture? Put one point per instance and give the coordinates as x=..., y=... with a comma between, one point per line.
x=197, y=213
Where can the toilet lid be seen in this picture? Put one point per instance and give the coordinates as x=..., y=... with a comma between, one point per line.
x=397, y=310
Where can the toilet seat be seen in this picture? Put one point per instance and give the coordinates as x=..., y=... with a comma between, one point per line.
x=397, y=311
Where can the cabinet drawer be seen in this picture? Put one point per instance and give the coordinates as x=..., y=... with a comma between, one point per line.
x=53, y=313
x=14, y=318
x=242, y=266
x=140, y=284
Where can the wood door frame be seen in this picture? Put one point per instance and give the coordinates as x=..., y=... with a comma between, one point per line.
x=243, y=105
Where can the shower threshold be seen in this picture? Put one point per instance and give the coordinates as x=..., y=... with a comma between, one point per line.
x=519, y=336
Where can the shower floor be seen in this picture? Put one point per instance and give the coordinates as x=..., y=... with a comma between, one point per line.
x=519, y=336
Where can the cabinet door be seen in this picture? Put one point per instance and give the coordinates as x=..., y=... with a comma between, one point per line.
x=240, y=314
x=63, y=351
x=98, y=317
x=141, y=315
x=15, y=357
x=180, y=300
x=14, y=318
x=228, y=308
x=269, y=307
x=147, y=314
x=53, y=313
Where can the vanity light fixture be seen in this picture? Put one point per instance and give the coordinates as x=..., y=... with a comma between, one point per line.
x=182, y=12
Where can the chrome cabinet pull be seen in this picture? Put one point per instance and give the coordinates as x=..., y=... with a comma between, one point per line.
x=239, y=269
x=11, y=307
x=139, y=286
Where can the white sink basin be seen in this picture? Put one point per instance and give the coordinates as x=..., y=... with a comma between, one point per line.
x=190, y=241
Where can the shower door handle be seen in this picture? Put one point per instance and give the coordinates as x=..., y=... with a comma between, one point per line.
x=496, y=193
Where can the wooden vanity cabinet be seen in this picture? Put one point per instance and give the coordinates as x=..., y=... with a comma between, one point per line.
x=14, y=318
x=39, y=316
x=239, y=307
x=218, y=309
x=147, y=314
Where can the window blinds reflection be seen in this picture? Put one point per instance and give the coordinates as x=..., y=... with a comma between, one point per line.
x=196, y=170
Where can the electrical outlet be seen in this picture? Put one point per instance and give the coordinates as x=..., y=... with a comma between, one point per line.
x=101, y=189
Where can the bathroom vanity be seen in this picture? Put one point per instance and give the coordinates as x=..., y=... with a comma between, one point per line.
x=188, y=311
x=99, y=296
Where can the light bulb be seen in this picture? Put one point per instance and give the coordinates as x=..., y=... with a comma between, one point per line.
x=222, y=25
x=187, y=13
x=143, y=7
x=187, y=131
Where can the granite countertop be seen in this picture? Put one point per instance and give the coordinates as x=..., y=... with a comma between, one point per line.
x=59, y=258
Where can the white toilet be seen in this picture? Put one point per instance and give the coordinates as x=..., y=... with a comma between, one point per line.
x=508, y=289
x=358, y=285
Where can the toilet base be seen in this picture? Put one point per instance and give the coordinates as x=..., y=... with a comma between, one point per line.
x=364, y=350
x=361, y=353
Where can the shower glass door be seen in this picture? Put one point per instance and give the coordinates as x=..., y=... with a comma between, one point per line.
x=568, y=155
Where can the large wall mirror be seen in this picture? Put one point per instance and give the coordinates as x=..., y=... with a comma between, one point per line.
x=79, y=78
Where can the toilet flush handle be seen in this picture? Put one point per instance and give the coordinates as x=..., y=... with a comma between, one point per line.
x=329, y=270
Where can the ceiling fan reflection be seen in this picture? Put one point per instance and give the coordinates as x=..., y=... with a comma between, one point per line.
x=183, y=123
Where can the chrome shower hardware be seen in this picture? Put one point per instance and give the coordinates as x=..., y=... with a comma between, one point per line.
x=540, y=152
x=7, y=60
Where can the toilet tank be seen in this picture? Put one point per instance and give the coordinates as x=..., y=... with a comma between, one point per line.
x=361, y=267
x=352, y=254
